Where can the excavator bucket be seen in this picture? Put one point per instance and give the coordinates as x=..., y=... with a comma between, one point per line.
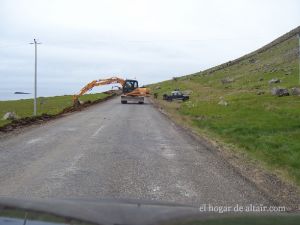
x=76, y=102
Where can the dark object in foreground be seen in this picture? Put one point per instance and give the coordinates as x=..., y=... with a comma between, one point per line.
x=178, y=95
x=124, y=211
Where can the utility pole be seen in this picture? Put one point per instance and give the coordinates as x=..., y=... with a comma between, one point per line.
x=35, y=43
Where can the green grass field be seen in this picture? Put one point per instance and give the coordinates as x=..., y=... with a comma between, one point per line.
x=265, y=127
x=47, y=105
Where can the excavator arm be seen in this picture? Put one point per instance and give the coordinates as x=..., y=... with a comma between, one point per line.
x=94, y=83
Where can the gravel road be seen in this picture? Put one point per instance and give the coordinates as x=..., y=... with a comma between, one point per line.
x=112, y=150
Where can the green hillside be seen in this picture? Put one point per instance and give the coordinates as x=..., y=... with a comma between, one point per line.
x=264, y=126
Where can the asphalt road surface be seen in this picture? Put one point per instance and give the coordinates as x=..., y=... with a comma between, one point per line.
x=111, y=150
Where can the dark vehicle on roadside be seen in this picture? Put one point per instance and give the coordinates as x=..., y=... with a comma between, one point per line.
x=176, y=95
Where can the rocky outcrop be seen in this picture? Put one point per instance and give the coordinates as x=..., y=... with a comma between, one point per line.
x=280, y=92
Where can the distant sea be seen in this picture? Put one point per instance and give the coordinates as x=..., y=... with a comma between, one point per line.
x=4, y=96
x=10, y=95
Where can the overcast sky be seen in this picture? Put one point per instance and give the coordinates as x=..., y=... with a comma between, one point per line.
x=150, y=40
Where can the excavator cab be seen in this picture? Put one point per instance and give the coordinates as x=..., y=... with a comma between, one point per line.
x=130, y=85
x=128, y=92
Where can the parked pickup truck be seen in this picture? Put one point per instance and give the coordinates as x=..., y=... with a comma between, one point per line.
x=178, y=95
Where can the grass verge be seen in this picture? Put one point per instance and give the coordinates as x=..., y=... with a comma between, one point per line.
x=46, y=105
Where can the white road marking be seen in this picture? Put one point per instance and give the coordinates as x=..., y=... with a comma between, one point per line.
x=58, y=177
x=34, y=140
x=97, y=131
x=73, y=167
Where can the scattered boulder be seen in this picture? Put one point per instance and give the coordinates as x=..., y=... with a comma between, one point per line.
x=273, y=70
x=280, y=92
x=274, y=81
x=227, y=80
x=288, y=73
x=261, y=79
x=295, y=91
x=222, y=102
x=157, y=87
x=10, y=116
x=81, y=102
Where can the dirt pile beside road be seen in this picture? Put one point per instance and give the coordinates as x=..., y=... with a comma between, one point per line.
x=27, y=121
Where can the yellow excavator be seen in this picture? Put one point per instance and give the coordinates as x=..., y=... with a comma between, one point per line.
x=130, y=90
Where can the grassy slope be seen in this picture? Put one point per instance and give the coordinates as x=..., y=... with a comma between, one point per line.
x=264, y=127
x=48, y=105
